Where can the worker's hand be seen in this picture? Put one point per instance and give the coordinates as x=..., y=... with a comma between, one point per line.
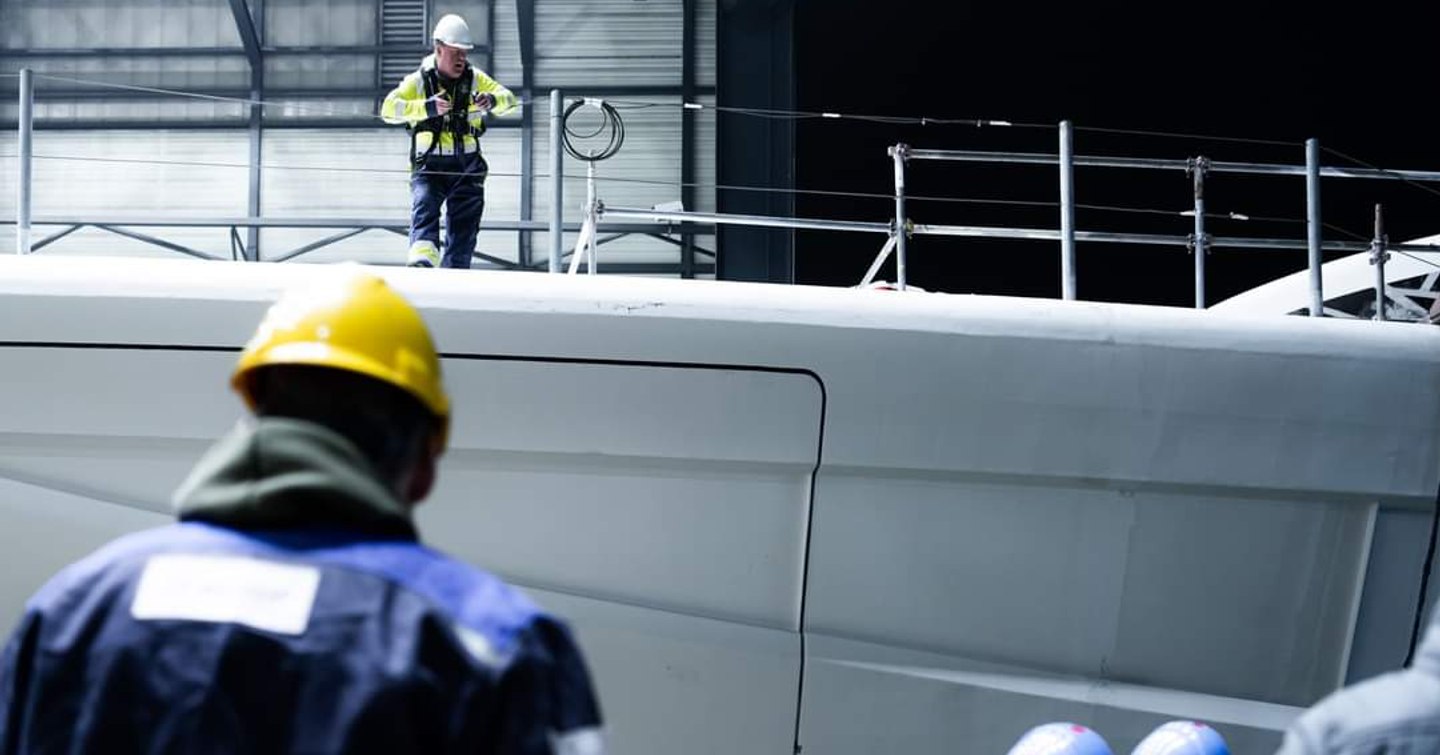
x=484, y=102
x=442, y=104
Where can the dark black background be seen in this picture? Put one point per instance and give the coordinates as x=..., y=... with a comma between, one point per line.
x=1360, y=77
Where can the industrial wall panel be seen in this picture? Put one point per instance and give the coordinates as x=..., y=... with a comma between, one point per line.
x=40, y=24
x=89, y=77
x=101, y=175
x=505, y=60
x=320, y=72
x=705, y=156
x=349, y=173
x=329, y=23
x=133, y=112
x=364, y=174
x=705, y=23
x=9, y=166
x=475, y=12
x=294, y=110
x=608, y=42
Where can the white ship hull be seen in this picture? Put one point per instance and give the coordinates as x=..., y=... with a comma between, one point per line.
x=880, y=522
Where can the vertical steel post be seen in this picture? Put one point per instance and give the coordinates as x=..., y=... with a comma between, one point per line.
x=1312, y=225
x=557, y=182
x=523, y=241
x=27, y=127
x=1067, y=210
x=898, y=152
x=688, y=150
x=591, y=250
x=257, y=153
x=1378, y=256
x=1201, y=242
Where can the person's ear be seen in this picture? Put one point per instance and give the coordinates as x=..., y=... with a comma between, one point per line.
x=422, y=479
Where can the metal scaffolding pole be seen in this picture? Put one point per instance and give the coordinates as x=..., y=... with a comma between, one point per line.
x=1040, y=158
x=898, y=153
x=1199, y=242
x=1067, y=210
x=26, y=148
x=1378, y=256
x=557, y=182
x=1312, y=225
x=760, y=221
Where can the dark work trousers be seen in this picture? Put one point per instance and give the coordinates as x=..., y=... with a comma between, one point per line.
x=458, y=182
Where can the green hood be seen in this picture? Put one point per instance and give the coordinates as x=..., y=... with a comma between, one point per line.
x=274, y=474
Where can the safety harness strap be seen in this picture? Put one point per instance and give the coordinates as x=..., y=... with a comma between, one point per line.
x=456, y=122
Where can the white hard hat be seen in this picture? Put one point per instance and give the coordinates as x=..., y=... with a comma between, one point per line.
x=1183, y=738
x=1061, y=738
x=452, y=31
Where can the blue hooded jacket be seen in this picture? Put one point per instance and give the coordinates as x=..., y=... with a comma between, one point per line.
x=291, y=610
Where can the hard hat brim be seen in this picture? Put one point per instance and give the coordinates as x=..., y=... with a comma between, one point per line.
x=332, y=357
x=456, y=45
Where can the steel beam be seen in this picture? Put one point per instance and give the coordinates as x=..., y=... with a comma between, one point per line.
x=399, y=226
x=54, y=237
x=1315, y=245
x=525, y=16
x=249, y=37
x=318, y=244
x=1041, y=158
x=25, y=147
x=557, y=181
x=162, y=243
x=215, y=52
x=687, y=134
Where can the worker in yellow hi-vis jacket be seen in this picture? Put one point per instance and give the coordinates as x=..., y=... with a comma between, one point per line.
x=444, y=105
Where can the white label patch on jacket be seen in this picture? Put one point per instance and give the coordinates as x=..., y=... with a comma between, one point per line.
x=587, y=741
x=227, y=589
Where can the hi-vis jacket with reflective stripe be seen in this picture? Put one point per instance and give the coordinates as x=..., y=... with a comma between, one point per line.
x=410, y=104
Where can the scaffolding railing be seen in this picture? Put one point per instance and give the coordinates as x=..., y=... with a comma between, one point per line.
x=661, y=222
x=346, y=227
x=901, y=227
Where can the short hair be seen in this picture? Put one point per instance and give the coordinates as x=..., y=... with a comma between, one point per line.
x=391, y=427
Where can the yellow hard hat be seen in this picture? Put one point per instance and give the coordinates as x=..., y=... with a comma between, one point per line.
x=354, y=322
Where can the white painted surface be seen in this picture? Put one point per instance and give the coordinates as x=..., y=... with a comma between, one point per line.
x=684, y=489
x=1168, y=508
x=42, y=530
x=673, y=683
x=1347, y=275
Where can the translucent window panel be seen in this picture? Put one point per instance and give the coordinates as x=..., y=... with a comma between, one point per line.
x=91, y=75
x=150, y=175
x=324, y=23
x=505, y=60
x=140, y=112
x=293, y=109
x=363, y=174
x=320, y=71
x=134, y=23
x=332, y=173
x=705, y=175
x=705, y=25
x=475, y=12
x=609, y=42
x=8, y=191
